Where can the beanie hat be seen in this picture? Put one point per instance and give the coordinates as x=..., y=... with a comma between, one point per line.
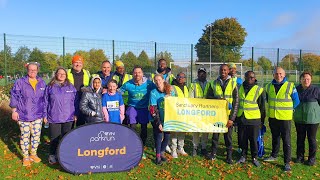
x=232, y=65
x=77, y=58
x=119, y=63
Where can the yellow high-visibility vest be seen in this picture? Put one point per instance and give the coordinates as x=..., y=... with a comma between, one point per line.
x=280, y=104
x=227, y=94
x=248, y=103
x=179, y=93
x=126, y=78
x=196, y=90
x=168, y=79
x=86, y=77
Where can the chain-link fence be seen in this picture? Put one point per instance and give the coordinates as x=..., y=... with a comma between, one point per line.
x=52, y=52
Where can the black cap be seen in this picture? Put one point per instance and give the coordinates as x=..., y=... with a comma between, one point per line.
x=202, y=69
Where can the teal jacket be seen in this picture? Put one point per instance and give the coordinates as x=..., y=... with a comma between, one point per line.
x=308, y=111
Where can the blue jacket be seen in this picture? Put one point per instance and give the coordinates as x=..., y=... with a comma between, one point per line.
x=30, y=103
x=60, y=101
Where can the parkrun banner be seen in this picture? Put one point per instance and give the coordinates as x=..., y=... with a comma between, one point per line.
x=195, y=115
x=100, y=147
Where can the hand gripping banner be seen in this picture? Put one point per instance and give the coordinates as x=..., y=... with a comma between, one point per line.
x=100, y=147
x=195, y=115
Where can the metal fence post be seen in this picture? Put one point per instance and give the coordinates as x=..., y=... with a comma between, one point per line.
x=113, y=55
x=300, y=61
x=252, y=54
x=191, y=61
x=278, y=57
x=155, y=55
x=63, y=51
x=5, y=57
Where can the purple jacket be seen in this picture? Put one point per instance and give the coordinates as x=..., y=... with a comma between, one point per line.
x=60, y=103
x=30, y=104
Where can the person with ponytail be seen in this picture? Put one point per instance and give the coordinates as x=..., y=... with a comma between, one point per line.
x=156, y=108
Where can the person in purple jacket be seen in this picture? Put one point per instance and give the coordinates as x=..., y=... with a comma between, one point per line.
x=28, y=110
x=60, y=98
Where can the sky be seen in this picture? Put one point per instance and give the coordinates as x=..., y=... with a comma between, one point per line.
x=269, y=24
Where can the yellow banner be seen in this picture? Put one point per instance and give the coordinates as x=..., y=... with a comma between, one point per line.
x=195, y=115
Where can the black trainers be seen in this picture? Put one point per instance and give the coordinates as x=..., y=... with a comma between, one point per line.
x=300, y=160
x=287, y=167
x=204, y=152
x=229, y=161
x=158, y=161
x=241, y=160
x=163, y=158
x=311, y=162
x=211, y=157
x=194, y=152
x=256, y=162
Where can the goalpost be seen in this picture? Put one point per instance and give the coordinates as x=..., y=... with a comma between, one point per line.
x=213, y=69
x=185, y=67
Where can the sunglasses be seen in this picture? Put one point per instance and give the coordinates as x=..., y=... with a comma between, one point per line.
x=181, y=77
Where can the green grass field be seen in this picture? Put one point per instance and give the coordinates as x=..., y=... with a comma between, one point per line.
x=181, y=168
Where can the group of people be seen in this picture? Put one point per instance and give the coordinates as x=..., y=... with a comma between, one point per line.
x=70, y=99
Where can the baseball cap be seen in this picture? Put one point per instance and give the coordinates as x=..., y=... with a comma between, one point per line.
x=202, y=69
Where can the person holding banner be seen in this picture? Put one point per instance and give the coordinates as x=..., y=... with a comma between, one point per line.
x=177, y=138
x=224, y=88
x=91, y=103
x=112, y=104
x=250, y=116
x=156, y=108
x=197, y=90
x=28, y=110
x=60, y=98
x=307, y=118
x=138, y=89
x=282, y=98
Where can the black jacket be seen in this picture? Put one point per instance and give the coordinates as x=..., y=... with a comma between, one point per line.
x=91, y=102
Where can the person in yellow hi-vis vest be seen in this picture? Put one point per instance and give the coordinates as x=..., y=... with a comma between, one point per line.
x=250, y=116
x=224, y=88
x=177, y=138
x=164, y=70
x=79, y=77
x=122, y=77
x=197, y=90
x=282, y=98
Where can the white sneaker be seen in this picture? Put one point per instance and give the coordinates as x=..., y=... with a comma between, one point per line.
x=168, y=150
x=52, y=159
x=174, y=153
x=182, y=152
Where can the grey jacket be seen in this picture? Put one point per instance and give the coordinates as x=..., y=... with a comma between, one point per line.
x=91, y=104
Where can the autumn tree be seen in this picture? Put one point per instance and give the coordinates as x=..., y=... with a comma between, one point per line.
x=38, y=56
x=227, y=37
x=265, y=63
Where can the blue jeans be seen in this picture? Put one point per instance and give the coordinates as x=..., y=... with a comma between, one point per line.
x=161, y=139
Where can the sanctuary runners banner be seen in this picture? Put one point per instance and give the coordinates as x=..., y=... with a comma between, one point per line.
x=100, y=147
x=195, y=115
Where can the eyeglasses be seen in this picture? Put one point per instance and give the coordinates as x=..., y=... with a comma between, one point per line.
x=181, y=77
x=61, y=74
